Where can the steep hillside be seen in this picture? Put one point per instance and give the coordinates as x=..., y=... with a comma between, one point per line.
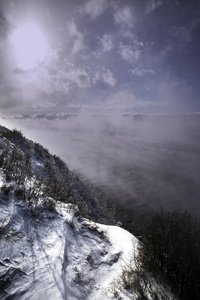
x=57, y=254
x=142, y=162
x=48, y=245
x=37, y=173
x=48, y=249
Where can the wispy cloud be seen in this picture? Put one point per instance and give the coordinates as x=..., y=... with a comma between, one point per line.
x=73, y=75
x=126, y=99
x=95, y=8
x=141, y=71
x=96, y=46
x=151, y=5
x=131, y=53
x=124, y=16
x=79, y=38
x=183, y=34
x=80, y=77
x=51, y=86
x=106, y=76
x=106, y=42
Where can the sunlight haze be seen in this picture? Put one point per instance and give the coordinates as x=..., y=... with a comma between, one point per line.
x=29, y=46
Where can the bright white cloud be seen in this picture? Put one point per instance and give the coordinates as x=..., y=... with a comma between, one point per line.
x=95, y=8
x=78, y=46
x=50, y=82
x=131, y=53
x=140, y=71
x=127, y=53
x=106, y=42
x=73, y=29
x=106, y=76
x=61, y=79
x=79, y=38
x=124, y=16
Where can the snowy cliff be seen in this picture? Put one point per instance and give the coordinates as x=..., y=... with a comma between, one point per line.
x=47, y=248
x=58, y=255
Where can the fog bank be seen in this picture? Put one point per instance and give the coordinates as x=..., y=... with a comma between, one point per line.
x=141, y=160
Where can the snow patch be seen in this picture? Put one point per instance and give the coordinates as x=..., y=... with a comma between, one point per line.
x=1, y=178
x=59, y=255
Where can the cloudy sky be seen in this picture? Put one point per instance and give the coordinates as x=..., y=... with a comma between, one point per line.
x=131, y=55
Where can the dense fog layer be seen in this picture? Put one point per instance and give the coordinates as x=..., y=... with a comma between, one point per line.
x=141, y=160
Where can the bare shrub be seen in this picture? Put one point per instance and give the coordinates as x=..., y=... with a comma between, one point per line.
x=171, y=251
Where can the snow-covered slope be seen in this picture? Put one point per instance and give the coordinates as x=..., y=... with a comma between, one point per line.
x=47, y=248
x=58, y=255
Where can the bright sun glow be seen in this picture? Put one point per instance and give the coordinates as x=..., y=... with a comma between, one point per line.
x=29, y=46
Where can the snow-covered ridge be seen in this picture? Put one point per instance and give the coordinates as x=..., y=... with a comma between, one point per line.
x=52, y=239
x=57, y=254
x=47, y=248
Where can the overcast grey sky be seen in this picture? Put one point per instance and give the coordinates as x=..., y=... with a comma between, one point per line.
x=140, y=56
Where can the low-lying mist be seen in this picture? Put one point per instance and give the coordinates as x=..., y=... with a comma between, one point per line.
x=140, y=161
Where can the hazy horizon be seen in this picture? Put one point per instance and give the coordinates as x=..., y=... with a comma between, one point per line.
x=147, y=161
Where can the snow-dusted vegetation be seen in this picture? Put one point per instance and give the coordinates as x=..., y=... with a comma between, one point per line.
x=139, y=161
x=48, y=249
x=58, y=255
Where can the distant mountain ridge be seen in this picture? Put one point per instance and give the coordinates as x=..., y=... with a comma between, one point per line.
x=134, y=116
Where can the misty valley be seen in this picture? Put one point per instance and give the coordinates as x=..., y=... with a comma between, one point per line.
x=139, y=162
x=138, y=172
